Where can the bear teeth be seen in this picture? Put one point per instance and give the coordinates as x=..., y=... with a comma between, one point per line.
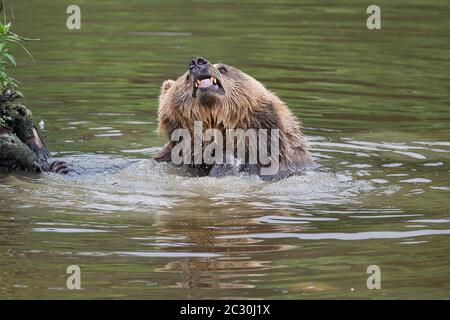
x=206, y=82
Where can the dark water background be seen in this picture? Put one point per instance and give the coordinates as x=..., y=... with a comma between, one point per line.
x=375, y=107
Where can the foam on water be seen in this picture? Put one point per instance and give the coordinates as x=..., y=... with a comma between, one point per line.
x=122, y=184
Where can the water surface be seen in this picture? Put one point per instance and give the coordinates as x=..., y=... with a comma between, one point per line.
x=375, y=108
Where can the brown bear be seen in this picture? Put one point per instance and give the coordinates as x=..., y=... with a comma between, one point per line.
x=223, y=97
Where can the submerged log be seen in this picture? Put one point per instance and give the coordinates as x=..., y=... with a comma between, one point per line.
x=21, y=146
x=14, y=154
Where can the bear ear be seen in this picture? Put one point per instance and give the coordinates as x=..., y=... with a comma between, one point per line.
x=166, y=86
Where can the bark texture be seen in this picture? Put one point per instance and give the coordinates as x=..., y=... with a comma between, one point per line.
x=21, y=147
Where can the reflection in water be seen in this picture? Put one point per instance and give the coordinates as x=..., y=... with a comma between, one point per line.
x=347, y=236
x=375, y=112
x=202, y=232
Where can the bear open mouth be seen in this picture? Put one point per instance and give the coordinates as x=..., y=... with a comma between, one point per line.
x=207, y=83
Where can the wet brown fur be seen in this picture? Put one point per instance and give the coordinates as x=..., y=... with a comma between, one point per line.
x=246, y=104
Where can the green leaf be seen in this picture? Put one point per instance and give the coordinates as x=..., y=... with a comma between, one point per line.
x=12, y=37
x=7, y=40
x=11, y=59
x=23, y=47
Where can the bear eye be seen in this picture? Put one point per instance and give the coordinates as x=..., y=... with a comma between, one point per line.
x=223, y=70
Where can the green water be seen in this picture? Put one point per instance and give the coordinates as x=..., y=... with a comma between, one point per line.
x=375, y=107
